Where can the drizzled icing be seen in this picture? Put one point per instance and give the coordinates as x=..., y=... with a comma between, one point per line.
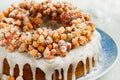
x=89, y=51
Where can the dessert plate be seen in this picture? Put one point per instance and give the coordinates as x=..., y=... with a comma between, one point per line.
x=107, y=57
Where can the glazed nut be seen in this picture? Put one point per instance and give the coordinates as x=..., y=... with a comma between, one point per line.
x=91, y=24
x=69, y=36
x=88, y=34
x=37, y=20
x=47, y=1
x=61, y=43
x=40, y=30
x=49, y=46
x=45, y=34
x=60, y=10
x=41, y=48
x=46, y=53
x=63, y=36
x=87, y=17
x=75, y=43
x=18, y=23
x=35, y=43
x=41, y=39
x=61, y=30
x=9, y=20
x=75, y=34
x=63, y=48
x=33, y=52
x=6, y=13
x=66, y=8
x=22, y=47
x=26, y=20
x=22, y=39
x=48, y=11
x=44, y=12
x=38, y=56
x=35, y=36
x=53, y=52
x=55, y=46
x=83, y=40
x=68, y=45
x=9, y=35
x=49, y=40
x=56, y=40
x=50, y=34
x=50, y=57
x=23, y=5
x=75, y=22
x=30, y=26
x=55, y=35
x=10, y=9
x=63, y=54
x=69, y=29
x=44, y=3
x=58, y=4
x=26, y=28
x=1, y=16
x=54, y=14
x=18, y=16
x=53, y=9
x=11, y=48
x=30, y=47
x=28, y=41
x=75, y=40
x=39, y=15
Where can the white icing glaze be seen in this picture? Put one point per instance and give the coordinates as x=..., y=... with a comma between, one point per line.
x=5, y=77
x=90, y=50
x=60, y=75
x=19, y=78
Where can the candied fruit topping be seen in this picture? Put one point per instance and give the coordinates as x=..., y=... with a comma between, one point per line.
x=44, y=30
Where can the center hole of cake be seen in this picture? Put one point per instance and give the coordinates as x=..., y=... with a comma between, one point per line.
x=51, y=24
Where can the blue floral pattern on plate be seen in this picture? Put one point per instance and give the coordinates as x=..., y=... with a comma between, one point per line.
x=108, y=57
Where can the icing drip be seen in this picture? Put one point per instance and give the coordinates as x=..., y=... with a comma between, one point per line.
x=34, y=72
x=73, y=57
x=48, y=76
x=21, y=70
x=19, y=78
x=85, y=71
x=60, y=74
x=1, y=64
x=73, y=70
x=65, y=74
x=96, y=59
x=90, y=62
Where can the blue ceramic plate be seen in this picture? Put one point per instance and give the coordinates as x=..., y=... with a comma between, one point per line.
x=108, y=57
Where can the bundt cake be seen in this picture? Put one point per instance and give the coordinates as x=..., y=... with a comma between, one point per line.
x=47, y=41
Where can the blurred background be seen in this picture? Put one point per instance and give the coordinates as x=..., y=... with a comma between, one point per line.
x=106, y=15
